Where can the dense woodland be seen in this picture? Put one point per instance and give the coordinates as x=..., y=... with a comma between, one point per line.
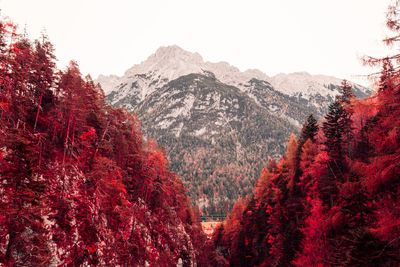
x=334, y=198
x=80, y=185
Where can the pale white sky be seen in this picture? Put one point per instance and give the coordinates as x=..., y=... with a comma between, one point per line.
x=108, y=37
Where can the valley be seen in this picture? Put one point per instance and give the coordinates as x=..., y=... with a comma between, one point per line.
x=218, y=125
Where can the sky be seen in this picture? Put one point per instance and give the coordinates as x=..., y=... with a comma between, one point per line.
x=108, y=37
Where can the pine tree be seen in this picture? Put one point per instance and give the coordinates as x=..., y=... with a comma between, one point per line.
x=43, y=74
x=309, y=129
x=333, y=128
x=346, y=93
x=345, y=98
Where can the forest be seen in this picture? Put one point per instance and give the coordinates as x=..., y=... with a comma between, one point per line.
x=81, y=186
x=334, y=198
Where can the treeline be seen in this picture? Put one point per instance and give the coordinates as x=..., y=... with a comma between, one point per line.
x=78, y=184
x=334, y=198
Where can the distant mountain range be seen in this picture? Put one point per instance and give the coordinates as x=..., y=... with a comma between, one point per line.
x=218, y=125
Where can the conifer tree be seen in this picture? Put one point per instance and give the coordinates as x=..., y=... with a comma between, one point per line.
x=309, y=129
x=346, y=93
x=345, y=98
x=333, y=128
x=308, y=132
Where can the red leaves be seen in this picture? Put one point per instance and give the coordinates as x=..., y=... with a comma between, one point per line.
x=122, y=206
x=95, y=200
x=91, y=248
x=269, y=209
x=8, y=28
x=270, y=239
x=13, y=47
x=322, y=157
x=156, y=158
x=346, y=207
x=88, y=135
x=5, y=106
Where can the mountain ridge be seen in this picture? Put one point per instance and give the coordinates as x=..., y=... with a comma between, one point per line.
x=172, y=61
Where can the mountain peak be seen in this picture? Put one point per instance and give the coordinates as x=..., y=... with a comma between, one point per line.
x=173, y=47
x=174, y=52
x=170, y=49
x=169, y=62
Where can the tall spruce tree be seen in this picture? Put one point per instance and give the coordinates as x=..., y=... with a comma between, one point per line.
x=346, y=94
x=345, y=98
x=309, y=130
x=333, y=129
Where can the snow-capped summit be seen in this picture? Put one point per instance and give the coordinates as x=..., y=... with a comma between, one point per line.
x=166, y=64
x=169, y=62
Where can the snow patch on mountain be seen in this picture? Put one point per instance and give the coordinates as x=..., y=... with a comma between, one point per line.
x=108, y=82
x=305, y=84
x=183, y=109
x=177, y=131
x=164, y=124
x=233, y=76
x=200, y=131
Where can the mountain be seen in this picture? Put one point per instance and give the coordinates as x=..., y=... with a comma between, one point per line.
x=171, y=62
x=313, y=92
x=217, y=124
x=216, y=136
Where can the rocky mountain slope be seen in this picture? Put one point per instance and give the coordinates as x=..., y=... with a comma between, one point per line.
x=216, y=136
x=218, y=125
x=312, y=92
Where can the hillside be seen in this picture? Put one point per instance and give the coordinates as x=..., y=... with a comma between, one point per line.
x=79, y=184
x=217, y=137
